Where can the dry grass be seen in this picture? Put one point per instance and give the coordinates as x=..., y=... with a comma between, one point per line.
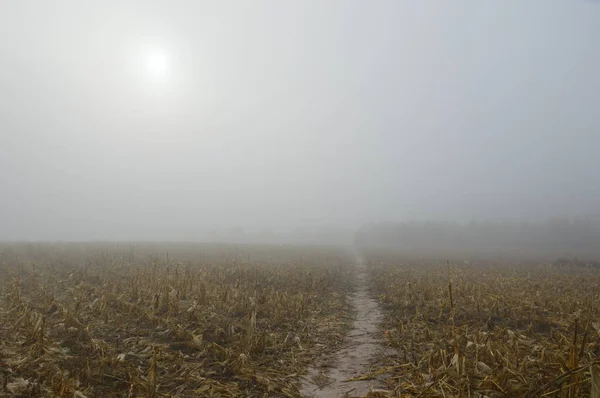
x=112, y=321
x=106, y=321
x=488, y=328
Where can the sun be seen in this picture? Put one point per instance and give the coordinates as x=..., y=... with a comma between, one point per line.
x=156, y=64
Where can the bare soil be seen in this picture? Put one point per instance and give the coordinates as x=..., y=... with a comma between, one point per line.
x=331, y=377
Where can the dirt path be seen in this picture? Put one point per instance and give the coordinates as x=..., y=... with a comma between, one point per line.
x=329, y=378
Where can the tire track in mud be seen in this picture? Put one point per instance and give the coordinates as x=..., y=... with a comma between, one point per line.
x=329, y=377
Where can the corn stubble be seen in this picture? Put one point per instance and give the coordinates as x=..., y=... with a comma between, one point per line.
x=489, y=329
x=89, y=322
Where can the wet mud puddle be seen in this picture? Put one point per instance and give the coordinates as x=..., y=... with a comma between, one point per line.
x=330, y=377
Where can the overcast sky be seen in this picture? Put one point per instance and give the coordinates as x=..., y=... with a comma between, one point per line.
x=285, y=113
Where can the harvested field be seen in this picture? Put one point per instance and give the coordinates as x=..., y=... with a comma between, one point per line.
x=116, y=321
x=488, y=328
x=183, y=320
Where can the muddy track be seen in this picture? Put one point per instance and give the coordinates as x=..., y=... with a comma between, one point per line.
x=329, y=377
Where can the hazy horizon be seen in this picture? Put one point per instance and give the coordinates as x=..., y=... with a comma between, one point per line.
x=159, y=120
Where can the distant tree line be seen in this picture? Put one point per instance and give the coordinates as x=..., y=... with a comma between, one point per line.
x=580, y=235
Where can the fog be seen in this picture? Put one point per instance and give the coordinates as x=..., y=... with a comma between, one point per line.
x=173, y=120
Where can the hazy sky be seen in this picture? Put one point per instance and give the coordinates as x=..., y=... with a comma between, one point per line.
x=273, y=113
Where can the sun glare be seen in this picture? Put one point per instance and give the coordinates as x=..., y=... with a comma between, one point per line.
x=156, y=64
